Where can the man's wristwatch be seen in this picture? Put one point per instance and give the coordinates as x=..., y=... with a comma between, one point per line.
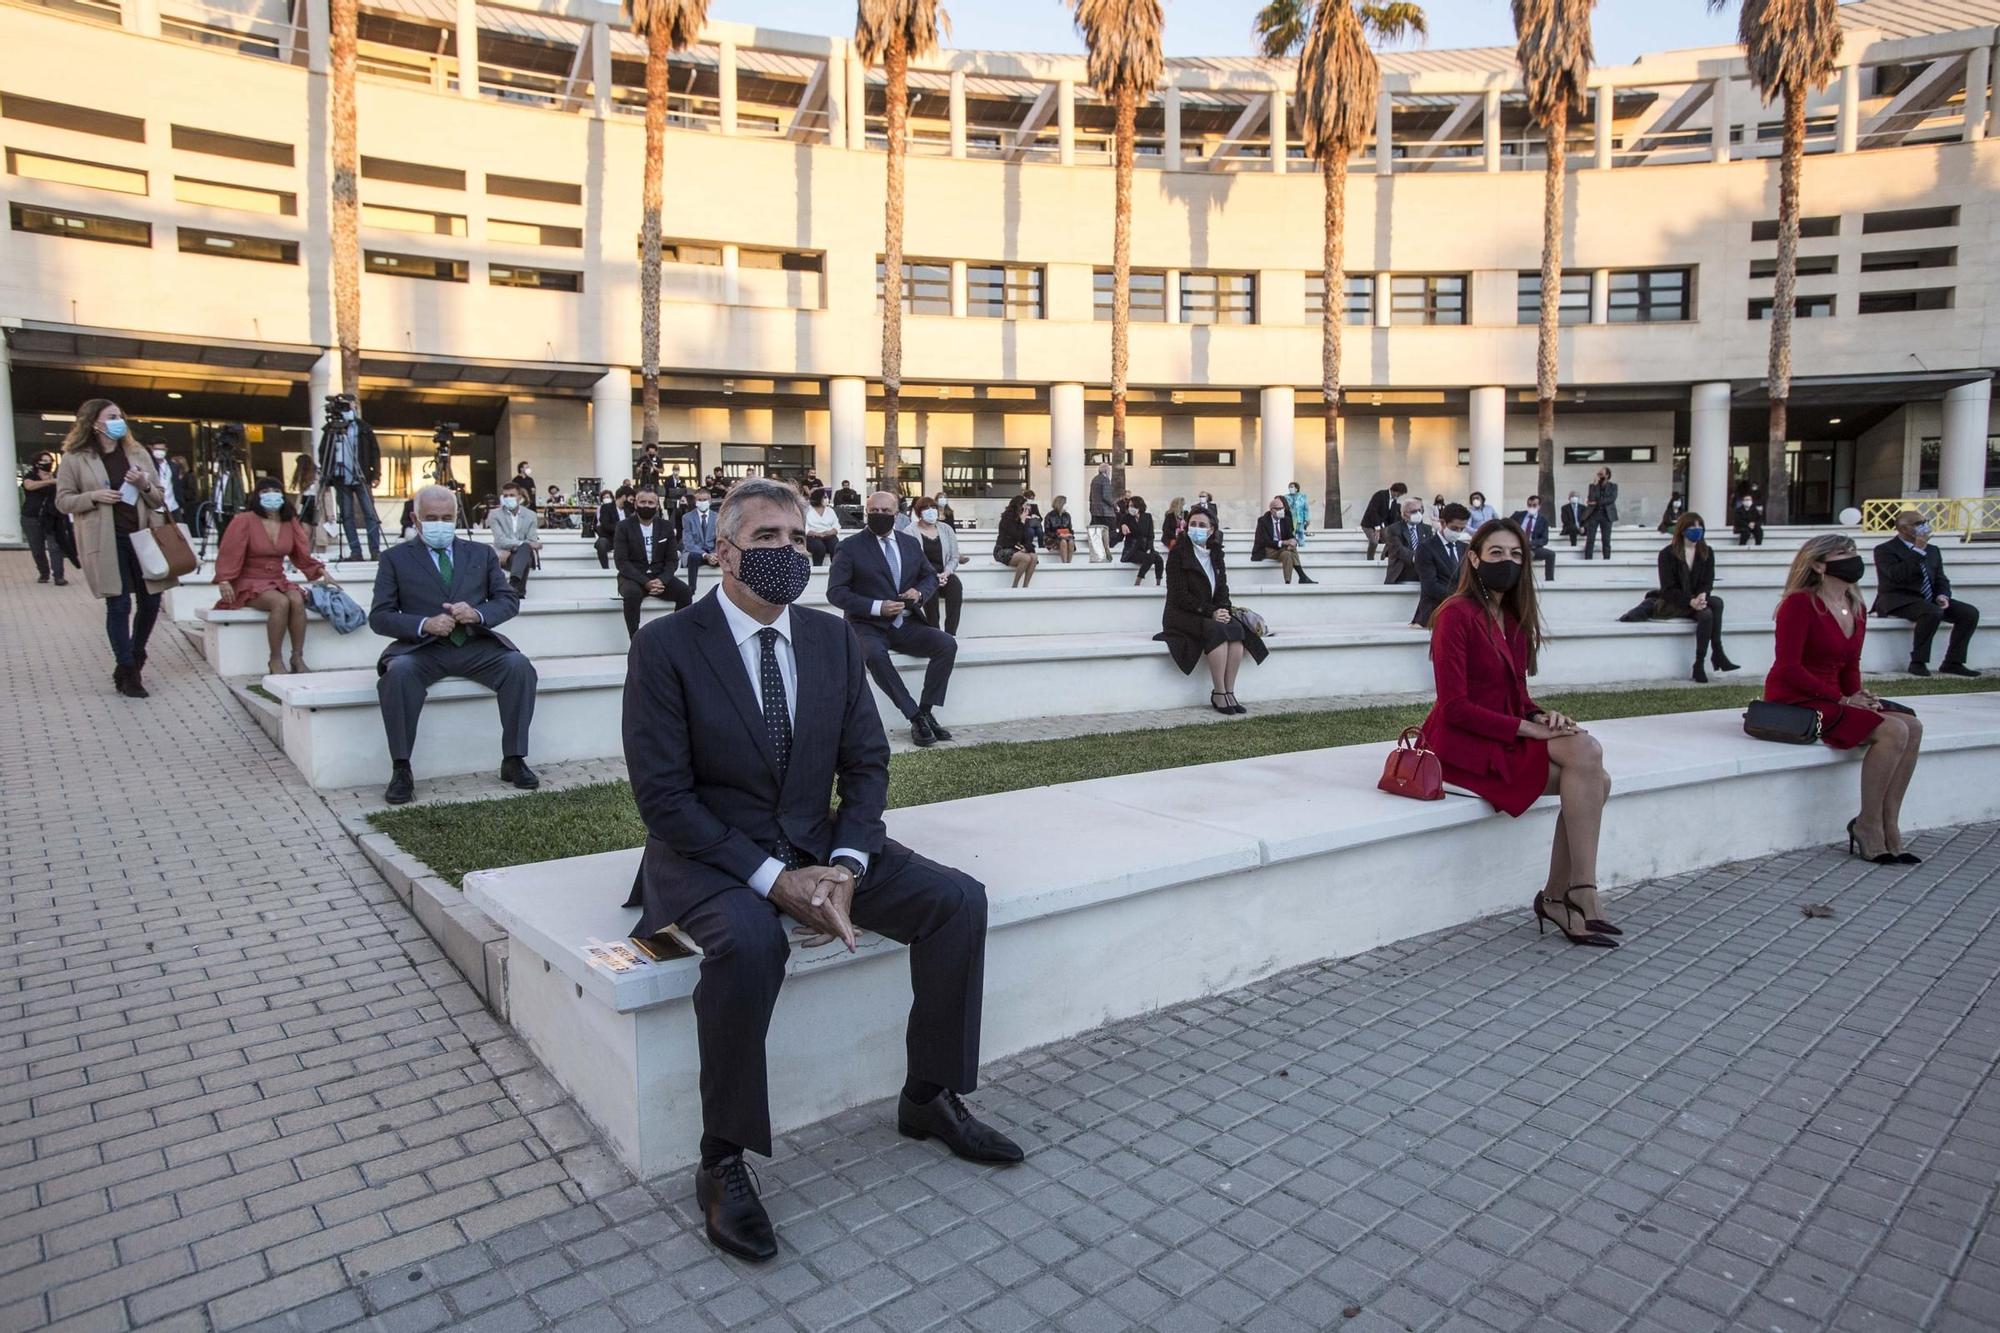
x=851, y=866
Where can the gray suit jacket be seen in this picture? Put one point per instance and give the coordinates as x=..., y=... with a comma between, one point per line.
x=408, y=592
x=520, y=528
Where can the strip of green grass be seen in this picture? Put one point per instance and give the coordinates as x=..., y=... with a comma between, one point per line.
x=479, y=835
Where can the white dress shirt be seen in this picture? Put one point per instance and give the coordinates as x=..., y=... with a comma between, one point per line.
x=743, y=627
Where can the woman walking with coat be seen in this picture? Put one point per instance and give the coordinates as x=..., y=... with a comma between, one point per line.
x=106, y=484
x=1199, y=622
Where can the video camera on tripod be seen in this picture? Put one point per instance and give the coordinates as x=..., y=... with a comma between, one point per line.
x=440, y=468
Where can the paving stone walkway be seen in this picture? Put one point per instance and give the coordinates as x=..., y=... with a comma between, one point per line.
x=241, y=1083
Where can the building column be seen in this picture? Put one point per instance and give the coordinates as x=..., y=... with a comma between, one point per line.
x=1171, y=297
x=836, y=97
x=958, y=291
x=1606, y=104
x=732, y=274
x=10, y=494
x=1962, y=453
x=1381, y=301
x=1385, y=133
x=725, y=73
x=1708, y=453
x=847, y=412
x=1490, y=128
x=1600, y=296
x=141, y=17
x=1489, y=445
x=1067, y=473
x=958, y=113
x=1280, y=131
x=1718, y=102
x=1278, y=466
x=611, y=426
x=1170, y=151
x=1850, y=108
x=319, y=35
x=1978, y=73
x=468, y=48
x=857, y=101
x=1066, y=121
x=600, y=70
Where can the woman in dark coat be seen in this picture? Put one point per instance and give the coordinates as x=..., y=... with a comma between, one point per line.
x=1687, y=591
x=1139, y=549
x=1199, y=621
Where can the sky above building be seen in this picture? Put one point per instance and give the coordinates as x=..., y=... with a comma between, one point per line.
x=1625, y=29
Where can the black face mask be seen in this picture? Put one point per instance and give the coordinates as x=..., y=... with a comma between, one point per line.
x=1848, y=569
x=646, y=513
x=881, y=524
x=1499, y=576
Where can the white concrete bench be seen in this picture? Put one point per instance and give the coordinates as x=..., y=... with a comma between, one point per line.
x=332, y=730
x=1146, y=894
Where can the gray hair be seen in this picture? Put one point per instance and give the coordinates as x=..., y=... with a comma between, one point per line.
x=730, y=517
x=431, y=493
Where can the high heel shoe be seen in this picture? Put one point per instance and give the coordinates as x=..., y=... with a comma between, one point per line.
x=1908, y=859
x=1855, y=849
x=1214, y=701
x=1235, y=707
x=1722, y=663
x=1596, y=923
x=1594, y=939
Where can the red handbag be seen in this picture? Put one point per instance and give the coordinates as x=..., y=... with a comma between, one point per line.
x=1412, y=770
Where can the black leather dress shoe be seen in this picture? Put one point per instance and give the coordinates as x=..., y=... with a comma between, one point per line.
x=937, y=727
x=945, y=1118
x=1956, y=669
x=922, y=732
x=402, y=786
x=516, y=771
x=736, y=1221
x=1919, y=669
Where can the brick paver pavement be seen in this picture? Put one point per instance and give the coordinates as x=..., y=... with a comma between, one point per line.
x=1746, y=1118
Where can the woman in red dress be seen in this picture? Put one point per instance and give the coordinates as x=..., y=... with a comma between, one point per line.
x=1493, y=739
x=1822, y=623
x=250, y=570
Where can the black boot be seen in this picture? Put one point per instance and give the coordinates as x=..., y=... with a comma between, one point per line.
x=131, y=686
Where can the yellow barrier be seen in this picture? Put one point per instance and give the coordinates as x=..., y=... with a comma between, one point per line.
x=1981, y=514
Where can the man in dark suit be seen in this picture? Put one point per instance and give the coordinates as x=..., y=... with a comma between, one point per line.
x=440, y=599
x=1602, y=513
x=1403, y=537
x=1572, y=518
x=1438, y=557
x=647, y=557
x=1911, y=585
x=1535, y=524
x=878, y=579
x=740, y=716
x=698, y=537
x=1384, y=508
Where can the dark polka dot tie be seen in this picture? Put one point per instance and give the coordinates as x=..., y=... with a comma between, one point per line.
x=777, y=718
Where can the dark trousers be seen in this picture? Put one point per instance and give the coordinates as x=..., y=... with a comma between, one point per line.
x=939, y=912
x=44, y=545
x=519, y=563
x=694, y=565
x=1374, y=539
x=912, y=639
x=821, y=546
x=1148, y=561
x=1963, y=619
x=1548, y=558
x=409, y=676
x=130, y=631
x=677, y=592
x=356, y=501
x=1595, y=524
x=944, y=607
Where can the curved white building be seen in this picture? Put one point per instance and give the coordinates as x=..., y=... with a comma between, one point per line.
x=167, y=244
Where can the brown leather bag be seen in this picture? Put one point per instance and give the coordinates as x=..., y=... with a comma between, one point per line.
x=1412, y=770
x=164, y=552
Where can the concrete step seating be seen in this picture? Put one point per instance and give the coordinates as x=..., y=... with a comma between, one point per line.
x=1186, y=884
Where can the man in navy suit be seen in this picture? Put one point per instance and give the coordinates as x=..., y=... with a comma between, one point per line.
x=741, y=714
x=1535, y=525
x=440, y=599
x=879, y=578
x=1439, y=556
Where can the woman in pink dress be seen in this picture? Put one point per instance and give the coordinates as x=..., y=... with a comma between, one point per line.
x=250, y=570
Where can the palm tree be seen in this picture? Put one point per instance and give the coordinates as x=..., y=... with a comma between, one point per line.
x=1791, y=47
x=1554, y=50
x=1126, y=63
x=892, y=31
x=667, y=26
x=344, y=22
x=1339, y=79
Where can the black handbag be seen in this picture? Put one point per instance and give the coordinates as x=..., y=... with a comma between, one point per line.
x=1791, y=724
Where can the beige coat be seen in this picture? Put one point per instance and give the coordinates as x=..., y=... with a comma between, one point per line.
x=82, y=472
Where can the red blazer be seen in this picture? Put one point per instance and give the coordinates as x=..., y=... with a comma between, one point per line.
x=1482, y=689
x=1814, y=663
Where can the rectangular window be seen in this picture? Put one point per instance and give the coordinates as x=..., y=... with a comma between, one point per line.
x=1511, y=457
x=1149, y=295
x=243, y=149
x=1809, y=229
x=75, y=171
x=1906, y=302
x=546, y=279
x=1803, y=307
x=527, y=187
x=534, y=233
x=1194, y=458
x=250, y=199
x=229, y=245
x=787, y=261
x=926, y=286
x=418, y=220
x=1427, y=298
x=1652, y=295
x=1359, y=309
x=63, y=116
x=1575, y=307
x=79, y=226
x=1908, y=219
x=1218, y=298
x=1931, y=448
x=414, y=266
x=1003, y=291
x=412, y=173
x=691, y=252
x=1903, y=261
x=1809, y=266
x=985, y=474
x=766, y=460
x=911, y=479
x=1639, y=453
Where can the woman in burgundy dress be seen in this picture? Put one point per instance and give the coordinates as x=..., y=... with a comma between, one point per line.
x=1822, y=623
x=250, y=570
x=1494, y=740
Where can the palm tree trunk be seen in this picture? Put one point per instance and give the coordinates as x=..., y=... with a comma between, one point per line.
x=896, y=64
x=1332, y=319
x=1555, y=183
x=1121, y=276
x=344, y=19
x=649, y=232
x=1777, y=485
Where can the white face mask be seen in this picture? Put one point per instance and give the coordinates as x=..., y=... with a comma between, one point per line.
x=1459, y=535
x=702, y=505
x=1198, y=535
x=510, y=502
x=930, y=515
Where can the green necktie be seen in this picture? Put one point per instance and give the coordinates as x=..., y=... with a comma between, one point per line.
x=459, y=634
